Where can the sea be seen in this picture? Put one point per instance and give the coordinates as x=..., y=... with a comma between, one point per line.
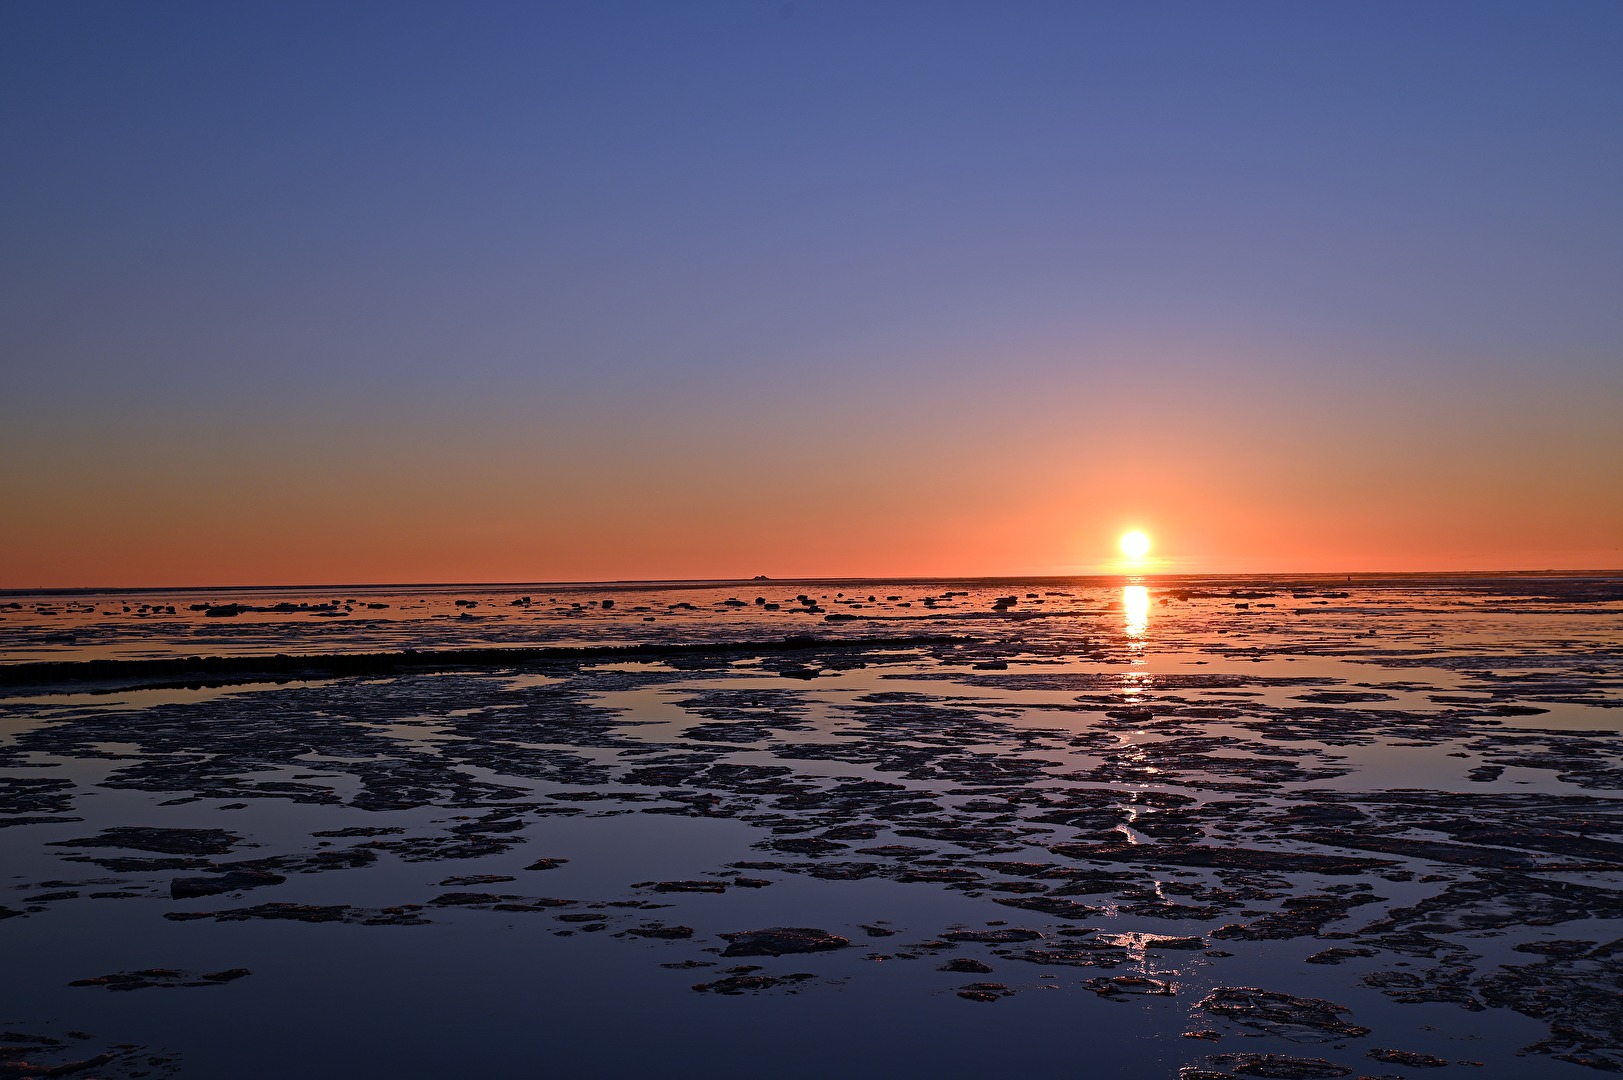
x=1191, y=827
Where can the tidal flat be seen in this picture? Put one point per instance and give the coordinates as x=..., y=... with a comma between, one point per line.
x=1177, y=827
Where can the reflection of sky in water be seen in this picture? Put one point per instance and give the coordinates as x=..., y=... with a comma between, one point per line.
x=884, y=1001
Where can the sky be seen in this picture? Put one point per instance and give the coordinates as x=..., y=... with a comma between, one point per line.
x=348, y=292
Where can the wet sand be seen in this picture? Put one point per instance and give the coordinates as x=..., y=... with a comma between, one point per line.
x=1210, y=827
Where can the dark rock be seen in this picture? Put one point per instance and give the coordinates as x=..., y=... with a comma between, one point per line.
x=358, y=830
x=150, y=978
x=478, y=879
x=166, y=841
x=1061, y=909
x=1238, y=858
x=1154, y=943
x=1002, y=936
x=1409, y=1057
x=739, y=984
x=810, y=845
x=1279, y=1013
x=402, y=915
x=965, y=965
x=1085, y=954
x=1574, y=990
x=1130, y=984
x=984, y=991
x=229, y=881
x=1337, y=954
x=658, y=930
x=1279, y=1066
x=691, y=886
x=1299, y=916
x=469, y=899
x=781, y=940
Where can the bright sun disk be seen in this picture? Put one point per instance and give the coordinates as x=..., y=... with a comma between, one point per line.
x=1135, y=545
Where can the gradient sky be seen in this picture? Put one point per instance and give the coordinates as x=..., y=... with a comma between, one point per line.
x=392, y=292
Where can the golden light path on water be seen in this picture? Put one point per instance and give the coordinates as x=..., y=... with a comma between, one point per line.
x=1135, y=602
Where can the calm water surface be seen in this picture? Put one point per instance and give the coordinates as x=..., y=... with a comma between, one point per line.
x=1154, y=791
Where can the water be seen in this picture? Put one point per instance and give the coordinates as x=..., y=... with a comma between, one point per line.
x=1424, y=771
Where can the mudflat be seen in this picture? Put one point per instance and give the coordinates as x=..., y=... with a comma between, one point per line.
x=1209, y=827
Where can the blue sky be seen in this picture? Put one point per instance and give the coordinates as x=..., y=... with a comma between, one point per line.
x=672, y=215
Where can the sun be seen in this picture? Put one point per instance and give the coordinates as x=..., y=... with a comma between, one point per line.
x=1135, y=544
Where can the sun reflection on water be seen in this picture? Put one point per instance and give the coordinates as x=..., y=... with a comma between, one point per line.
x=1135, y=601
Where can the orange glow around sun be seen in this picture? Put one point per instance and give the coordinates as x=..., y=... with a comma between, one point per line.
x=1135, y=544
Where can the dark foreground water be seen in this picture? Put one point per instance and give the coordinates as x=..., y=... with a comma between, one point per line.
x=1217, y=827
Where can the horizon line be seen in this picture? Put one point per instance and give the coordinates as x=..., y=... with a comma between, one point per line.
x=34, y=590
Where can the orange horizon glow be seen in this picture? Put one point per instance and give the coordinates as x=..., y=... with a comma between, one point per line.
x=329, y=334
x=495, y=497
x=369, y=539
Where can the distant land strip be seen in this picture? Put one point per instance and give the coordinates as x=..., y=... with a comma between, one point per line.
x=52, y=672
